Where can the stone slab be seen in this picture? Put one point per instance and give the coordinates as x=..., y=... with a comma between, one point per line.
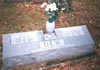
x=33, y=47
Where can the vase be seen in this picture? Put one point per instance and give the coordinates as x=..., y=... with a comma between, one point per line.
x=50, y=27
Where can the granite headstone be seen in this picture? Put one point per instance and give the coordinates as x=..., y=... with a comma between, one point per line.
x=33, y=47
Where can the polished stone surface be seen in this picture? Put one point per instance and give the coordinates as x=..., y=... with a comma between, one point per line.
x=34, y=46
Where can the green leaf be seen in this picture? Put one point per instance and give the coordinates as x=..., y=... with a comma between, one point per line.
x=64, y=11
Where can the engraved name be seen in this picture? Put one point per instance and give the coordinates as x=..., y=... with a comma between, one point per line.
x=52, y=43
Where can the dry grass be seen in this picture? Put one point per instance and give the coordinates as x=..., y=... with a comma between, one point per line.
x=21, y=17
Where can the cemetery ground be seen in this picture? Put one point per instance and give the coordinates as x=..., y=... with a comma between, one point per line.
x=27, y=16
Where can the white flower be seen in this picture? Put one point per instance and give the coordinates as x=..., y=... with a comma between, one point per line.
x=51, y=7
x=63, y=8
x=43, y=5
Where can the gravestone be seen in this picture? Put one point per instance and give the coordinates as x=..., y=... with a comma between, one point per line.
x=33, y=47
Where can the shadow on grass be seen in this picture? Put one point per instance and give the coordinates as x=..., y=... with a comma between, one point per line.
x=96, y=68
x=6, y=5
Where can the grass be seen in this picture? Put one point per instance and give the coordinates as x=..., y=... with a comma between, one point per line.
x=22, y=17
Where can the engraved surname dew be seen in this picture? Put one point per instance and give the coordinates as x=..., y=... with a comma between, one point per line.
x=52, y=43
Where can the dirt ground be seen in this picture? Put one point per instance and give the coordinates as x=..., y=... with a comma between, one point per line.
x=27, y=16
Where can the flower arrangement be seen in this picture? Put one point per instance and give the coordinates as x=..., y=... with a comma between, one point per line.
x=54, y=7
